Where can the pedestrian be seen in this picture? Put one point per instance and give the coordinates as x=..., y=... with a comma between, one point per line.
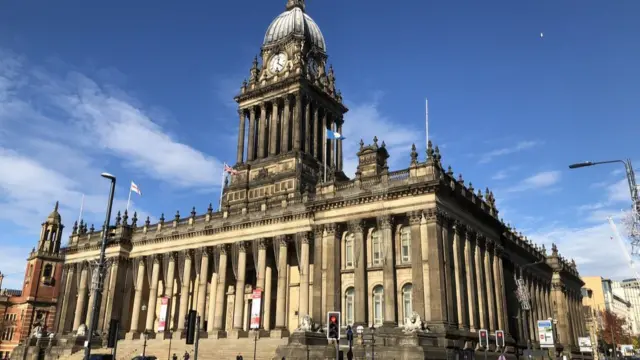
x=185, y=356
x=174, y=357
x=239, y=357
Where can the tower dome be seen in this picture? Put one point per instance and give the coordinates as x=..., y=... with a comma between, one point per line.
x=54, y=217
x=294, y=23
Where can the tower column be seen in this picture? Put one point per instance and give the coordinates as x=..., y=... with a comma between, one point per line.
x=308, y=129
x=137, y=297
x=324, y=150
x=438, y=298
x=339, y=149
x=297, y=122
x=471, y=281
x=220, y=293
x=417, y=274
x=461, y=299
x=240, y=281
x=153, y=294
x=303, y=306
x=317, y=133
x=240, y=153
x=82, y=296
x=251, y=139
x=317, y=309
x=388, y=271
x=262, y=131
x=281, y=296
x=285, y=131
x=356, y=227
x=202, y=292
x=184, y=291
x=273, y=128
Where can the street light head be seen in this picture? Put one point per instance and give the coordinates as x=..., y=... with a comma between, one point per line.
x=580, y=165
x=108, y=176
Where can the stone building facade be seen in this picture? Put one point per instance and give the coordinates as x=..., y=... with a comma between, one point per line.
x=31, y=311
x=381, y=248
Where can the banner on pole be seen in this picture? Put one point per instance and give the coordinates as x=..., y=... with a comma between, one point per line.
x=256, y=300
x=584, y=342
x=545, y=334
x=162, y=319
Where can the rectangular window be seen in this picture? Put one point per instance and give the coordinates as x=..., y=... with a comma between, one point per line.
x=377, y=249
x=349, y=254
x=405, y=241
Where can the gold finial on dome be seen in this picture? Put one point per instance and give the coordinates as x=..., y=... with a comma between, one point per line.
x=295, y=4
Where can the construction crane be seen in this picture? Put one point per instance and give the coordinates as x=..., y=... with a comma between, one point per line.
x=621, y=242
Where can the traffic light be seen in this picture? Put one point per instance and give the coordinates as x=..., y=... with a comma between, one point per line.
x=191, y=327
x=500, y=338
x=333, y=325
x=483, y=337
x=112, y=337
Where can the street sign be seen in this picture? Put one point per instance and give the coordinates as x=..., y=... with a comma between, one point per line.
x=584, y=342
x=545, y=333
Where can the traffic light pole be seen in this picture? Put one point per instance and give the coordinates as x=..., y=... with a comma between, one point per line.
x=195, y=346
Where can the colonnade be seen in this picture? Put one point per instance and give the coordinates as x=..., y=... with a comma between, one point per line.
x=288, y=123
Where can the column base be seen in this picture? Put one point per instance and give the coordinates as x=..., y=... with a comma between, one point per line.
x=217, y=334
x=237, y=334
x=178, y=334
x=203, y=334
x=279, y=333
x=151, y=334
x=167, y=335
x=132, y=335
x=389, y=324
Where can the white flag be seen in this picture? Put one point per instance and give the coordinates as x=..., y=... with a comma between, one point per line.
x=135, y=188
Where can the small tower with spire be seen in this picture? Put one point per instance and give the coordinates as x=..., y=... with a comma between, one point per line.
x=51, y=233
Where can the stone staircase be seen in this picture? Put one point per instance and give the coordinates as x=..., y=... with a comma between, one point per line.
x=208, y=349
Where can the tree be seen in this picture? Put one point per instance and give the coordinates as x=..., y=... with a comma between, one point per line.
x=614, y=329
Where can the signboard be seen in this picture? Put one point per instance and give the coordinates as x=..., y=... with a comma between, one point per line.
x=162, y=319
x=256, y=300
x=584, y=342
x=545, y=334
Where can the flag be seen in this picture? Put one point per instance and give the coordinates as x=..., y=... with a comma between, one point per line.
x=135, y=188
x=334, y=135
x=229, y=170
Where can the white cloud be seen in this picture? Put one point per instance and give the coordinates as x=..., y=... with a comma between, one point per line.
x=543, y=179
x=59, y=131
x=504, y=173
x=13, y=266
x=364, y=121
x=521, y=146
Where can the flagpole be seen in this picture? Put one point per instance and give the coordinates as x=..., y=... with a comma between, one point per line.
x=128, y=200
x=81, y=208
x=324, y=158
x=426, y=104
x=221, y=186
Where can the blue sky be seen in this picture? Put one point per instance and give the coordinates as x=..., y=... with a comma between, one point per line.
x=145, y=91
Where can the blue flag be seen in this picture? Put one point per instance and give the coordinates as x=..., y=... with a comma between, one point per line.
x=334, y=135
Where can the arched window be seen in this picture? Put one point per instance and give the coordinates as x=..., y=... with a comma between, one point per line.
x=349, y=297
x=376, y=248
x=378, y=305
x=348, y=250
x=48, y=270
x=407, y=300
x=405, y=244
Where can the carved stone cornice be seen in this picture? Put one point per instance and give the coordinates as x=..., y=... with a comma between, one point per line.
x=262, y=243
x=356, y=226
x=415, y=217
x=385, y=222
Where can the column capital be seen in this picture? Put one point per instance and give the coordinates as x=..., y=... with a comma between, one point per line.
x=263, y=106
x=223, y=249
x=204, y=251
x=252, y=111
x=262, y=243
x=242, y=246
x=318, y=230
x=306, y=237
x=415, y=217
x=385, y=222
x=459, y=227
x=498, y=249
x=332, y=228
x=355, y=226
x=282, y=240
x=188, y=254
x=241, y=113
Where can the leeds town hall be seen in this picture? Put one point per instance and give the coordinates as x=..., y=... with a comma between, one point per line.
x=417, y=257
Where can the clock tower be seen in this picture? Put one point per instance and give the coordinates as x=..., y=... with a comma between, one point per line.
x=285, y=106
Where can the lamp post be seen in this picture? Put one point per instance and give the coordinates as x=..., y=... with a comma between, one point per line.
x=631, y=176
x=97, y=290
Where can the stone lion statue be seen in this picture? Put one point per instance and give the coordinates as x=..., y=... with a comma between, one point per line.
x=413, y=323
x=82, y=330
x=306, y=324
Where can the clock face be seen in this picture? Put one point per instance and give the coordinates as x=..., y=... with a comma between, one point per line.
x=313, y=67
x=278, y=62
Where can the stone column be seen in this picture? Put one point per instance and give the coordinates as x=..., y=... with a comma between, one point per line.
x=62, y=323
x=503, y=292
x=499, y=284
x=220, y=293
x=357, y=228
x=438, y=298
x=285, y=128
x=202, y=293
x=417, y=275
x=137, y=297
x=273, y=128
x=82, y=298
x=240, y=281
x=491, y=301
x=532, y=317
x=317, y=275
x=184, y=291
x=308, y=130
x=318, y=129
x=262, y=131
x=261, y=272
x=339, y=150
x=331, y=146
x=153, y=294
x=90, y=276
x=240, y=154
x=281, y=296
x=213, y=295
x=558, y=297
x=251, y=146
x=481, y=292
x=388, y=270
x=449, y=287
x=168, y=289
x=461, y=295
x=471, y=281
x=303, y=306
x=266, y=321
x=297, y=122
